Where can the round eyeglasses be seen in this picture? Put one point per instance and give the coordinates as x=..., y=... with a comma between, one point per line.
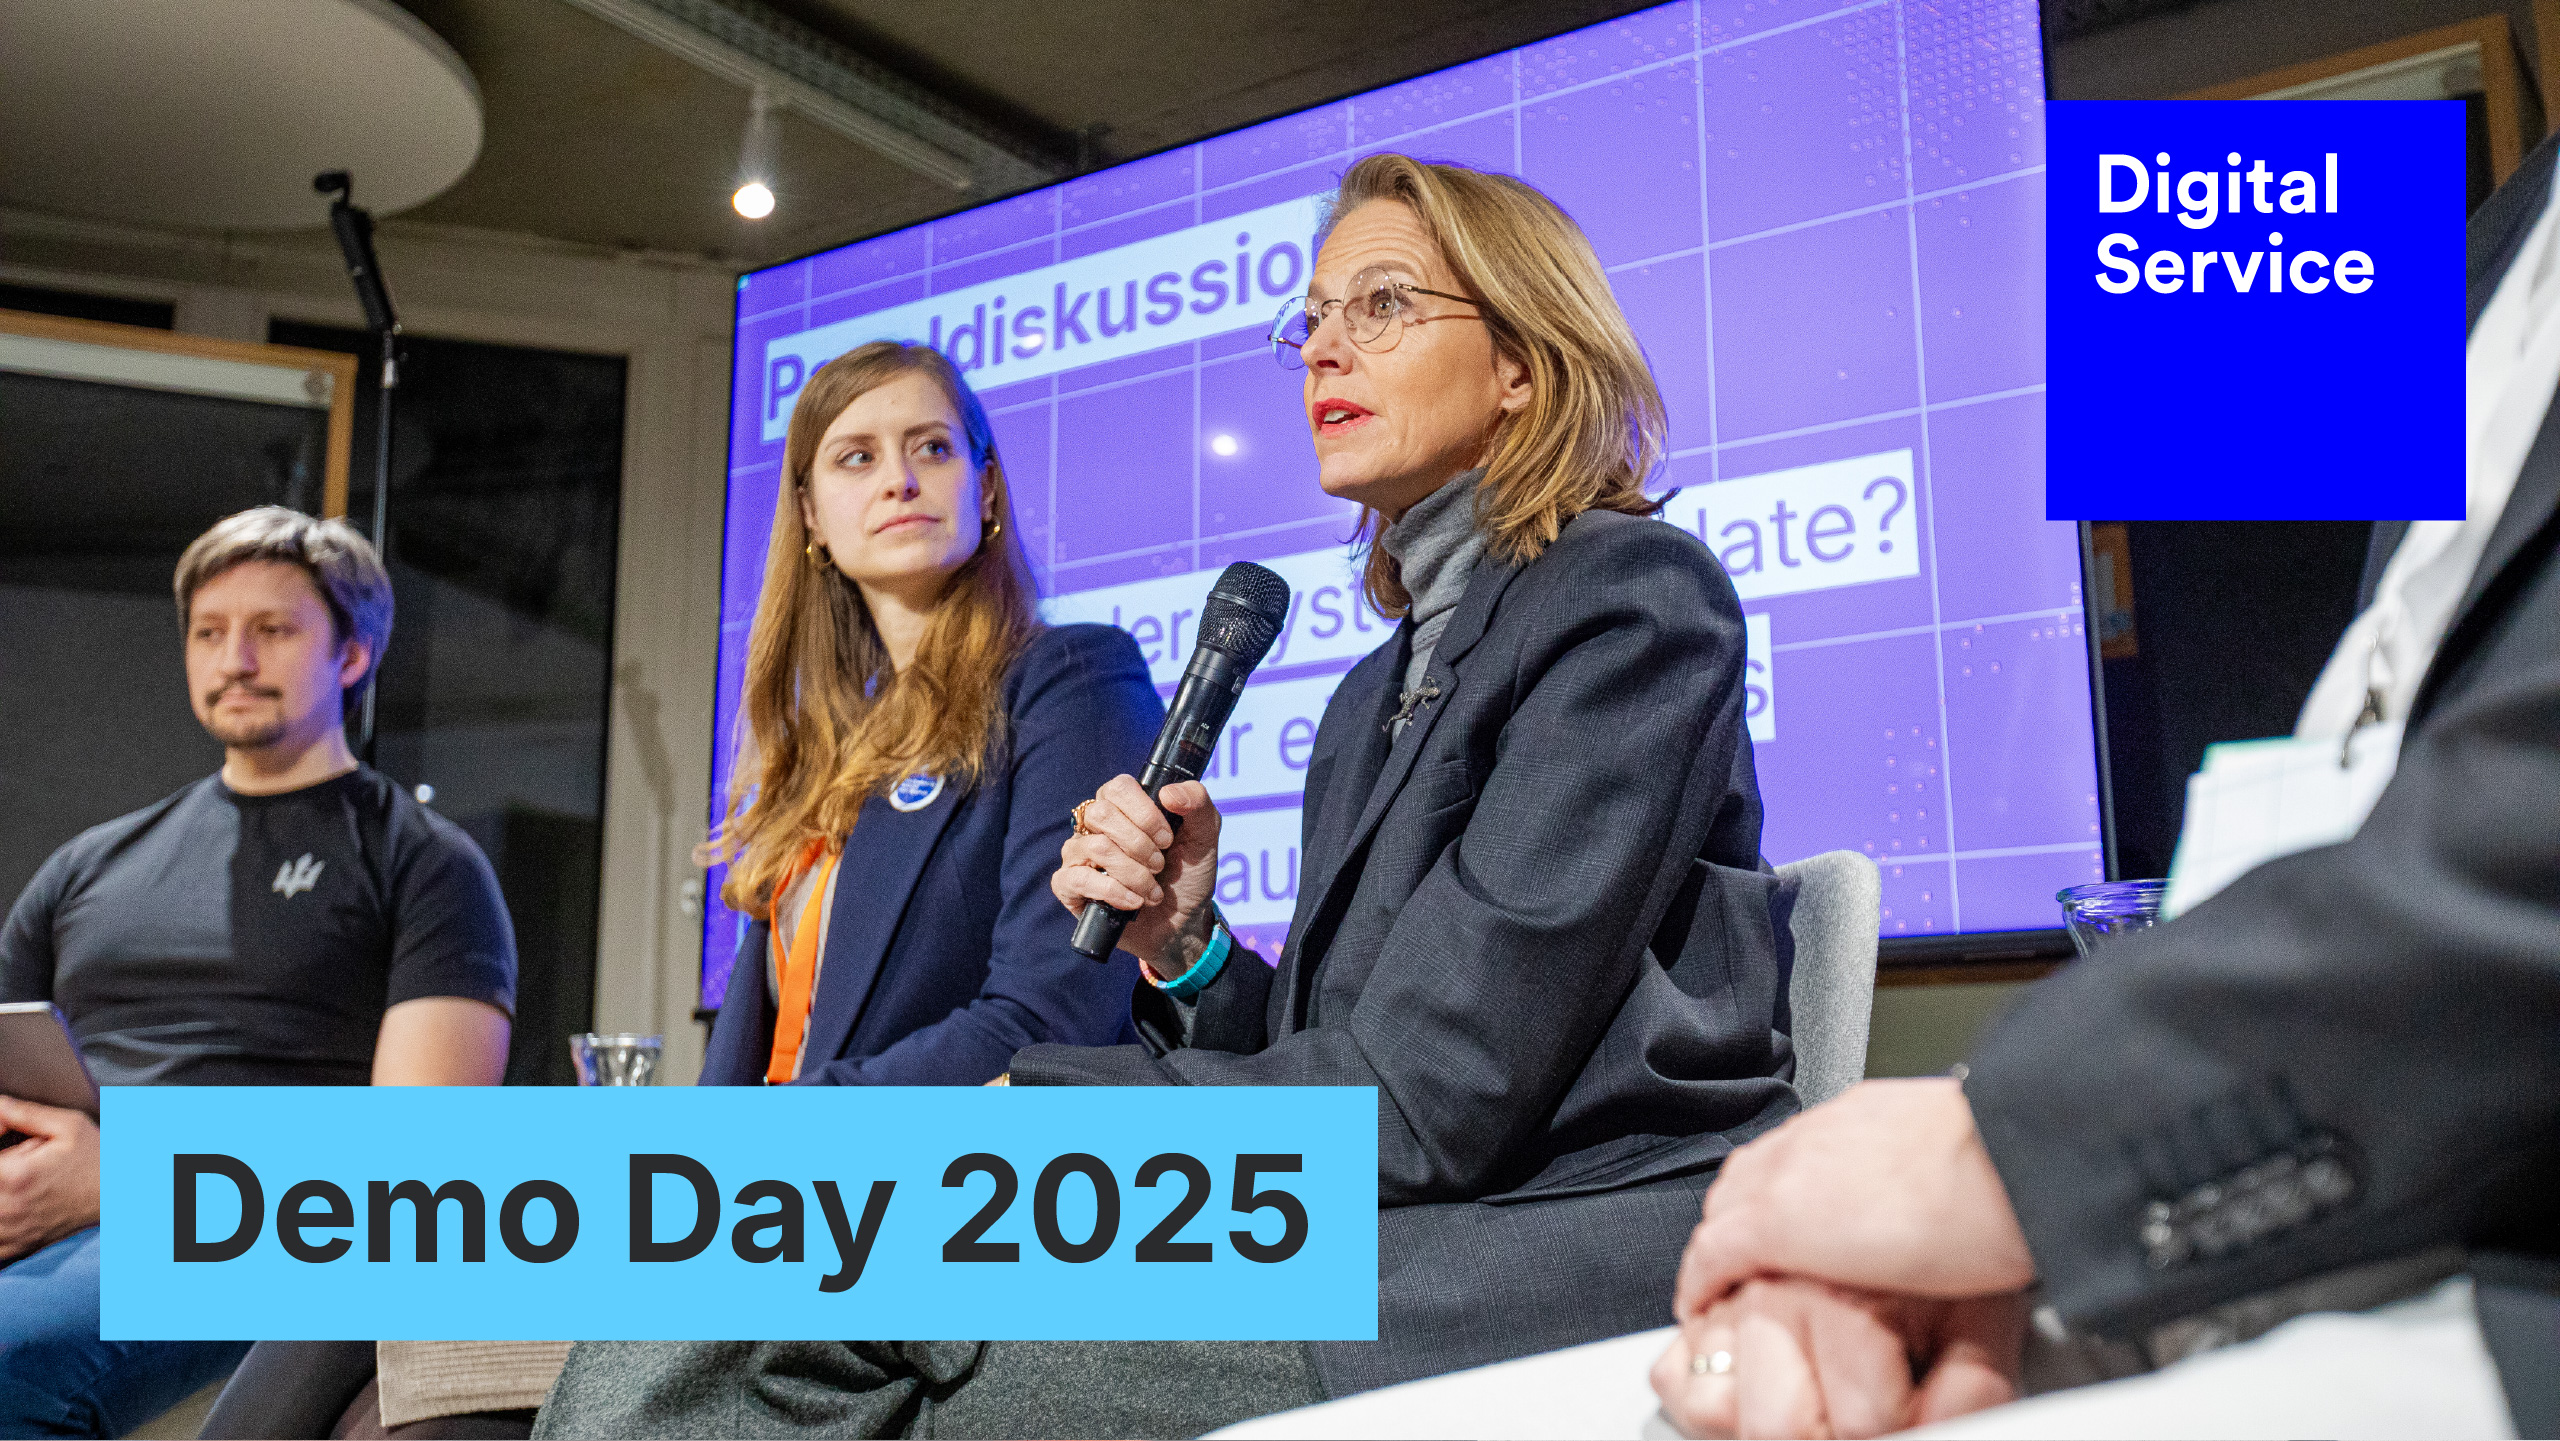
x=1375, y=307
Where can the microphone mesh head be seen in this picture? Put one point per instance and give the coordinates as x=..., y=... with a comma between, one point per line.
x=1245, y=611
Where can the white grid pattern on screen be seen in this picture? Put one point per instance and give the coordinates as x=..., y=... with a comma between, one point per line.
x=1061, y=574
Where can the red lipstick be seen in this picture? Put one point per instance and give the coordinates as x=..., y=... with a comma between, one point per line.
x=1333, y=417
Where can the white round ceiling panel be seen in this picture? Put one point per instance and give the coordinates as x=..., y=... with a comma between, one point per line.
x=215, y=114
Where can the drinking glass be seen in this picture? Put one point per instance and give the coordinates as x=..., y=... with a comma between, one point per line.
x=2110, y=908
x=616, y=1060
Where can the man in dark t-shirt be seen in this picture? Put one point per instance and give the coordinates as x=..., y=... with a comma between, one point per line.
x=296, y=919
x=227, y=939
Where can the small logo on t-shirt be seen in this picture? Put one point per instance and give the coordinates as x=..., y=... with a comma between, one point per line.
x=915, y=792
x=295, y=877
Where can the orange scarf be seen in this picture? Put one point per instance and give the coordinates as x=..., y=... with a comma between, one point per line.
x=798, y=966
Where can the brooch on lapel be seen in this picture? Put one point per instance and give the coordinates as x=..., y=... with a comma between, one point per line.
x=1410, y=704
x=915, y=792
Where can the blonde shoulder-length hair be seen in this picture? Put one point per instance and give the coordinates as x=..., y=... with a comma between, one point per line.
x=1592, y=432
x=830, y=722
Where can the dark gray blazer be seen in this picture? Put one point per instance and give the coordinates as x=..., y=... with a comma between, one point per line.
x=2353, y=1053
x=1538, y=922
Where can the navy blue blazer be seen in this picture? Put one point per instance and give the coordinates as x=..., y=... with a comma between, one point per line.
x=947, y=953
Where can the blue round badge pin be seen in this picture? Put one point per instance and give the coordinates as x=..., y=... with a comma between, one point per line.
x=915, y=792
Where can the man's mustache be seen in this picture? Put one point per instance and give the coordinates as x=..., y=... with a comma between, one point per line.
x=257, y=691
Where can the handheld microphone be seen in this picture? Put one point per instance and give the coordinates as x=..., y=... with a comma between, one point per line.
x=1240, y=620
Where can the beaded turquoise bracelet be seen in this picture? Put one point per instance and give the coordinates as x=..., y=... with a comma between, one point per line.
x=1204, y=970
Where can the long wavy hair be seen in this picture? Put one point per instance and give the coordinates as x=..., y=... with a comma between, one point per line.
x=830, y=722
x=1592, y=432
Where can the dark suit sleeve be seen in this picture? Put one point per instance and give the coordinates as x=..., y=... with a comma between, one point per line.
x=1504, y=970
x=1229, y=1015
x=2354, y=1045
x=1084, y=711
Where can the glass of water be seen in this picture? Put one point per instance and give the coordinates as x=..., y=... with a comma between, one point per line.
x=2102, y=909
x=616, y=1060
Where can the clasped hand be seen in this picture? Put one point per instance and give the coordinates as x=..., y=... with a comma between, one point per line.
x=1857, y=1271
x=49, y=1181
x=1129, y=857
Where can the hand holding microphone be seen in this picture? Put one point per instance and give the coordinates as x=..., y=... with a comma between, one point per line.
x=1130, y=857
x=1126, y=860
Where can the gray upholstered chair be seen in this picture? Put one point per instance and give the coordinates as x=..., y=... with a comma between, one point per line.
x=1839, y=909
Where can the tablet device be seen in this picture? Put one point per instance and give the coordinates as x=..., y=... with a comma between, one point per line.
x=39, y=1062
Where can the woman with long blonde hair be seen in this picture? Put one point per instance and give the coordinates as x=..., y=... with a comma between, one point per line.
x=1533, y=914
x=916, y=735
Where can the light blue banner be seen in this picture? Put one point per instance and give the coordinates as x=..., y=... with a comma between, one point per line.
x=854, y=1213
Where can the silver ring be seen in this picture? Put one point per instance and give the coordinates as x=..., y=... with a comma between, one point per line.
x=1714, y=1363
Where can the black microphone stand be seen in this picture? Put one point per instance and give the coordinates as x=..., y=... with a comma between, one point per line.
x=354, y=229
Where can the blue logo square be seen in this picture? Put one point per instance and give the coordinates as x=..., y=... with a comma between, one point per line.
x=2254, y=310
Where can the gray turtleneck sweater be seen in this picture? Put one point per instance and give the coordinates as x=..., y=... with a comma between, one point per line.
x=1436, y=546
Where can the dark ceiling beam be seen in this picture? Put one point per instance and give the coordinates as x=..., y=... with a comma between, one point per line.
x=807, y=73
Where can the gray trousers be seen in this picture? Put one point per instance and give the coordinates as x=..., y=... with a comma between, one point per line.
x=992, y=1389
x=1460, y=1284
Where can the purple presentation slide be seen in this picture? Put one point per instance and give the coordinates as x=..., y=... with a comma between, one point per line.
x=1825, y=222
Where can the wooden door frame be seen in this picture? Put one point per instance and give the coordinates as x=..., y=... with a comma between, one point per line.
x=341, y=370
x=2502, y=74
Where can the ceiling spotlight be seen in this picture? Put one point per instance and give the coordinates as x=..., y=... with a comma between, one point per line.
x=1223, y=444
x=754, y=197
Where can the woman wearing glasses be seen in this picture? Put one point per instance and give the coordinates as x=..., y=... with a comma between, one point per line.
x=1532, y=913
